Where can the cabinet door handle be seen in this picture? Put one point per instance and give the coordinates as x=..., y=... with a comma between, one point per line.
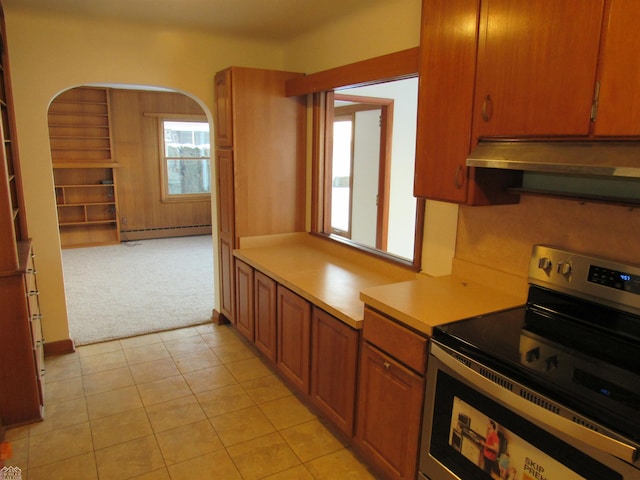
x=386, y=365
x=459, y=177
x=33, y=293
x=487, y=108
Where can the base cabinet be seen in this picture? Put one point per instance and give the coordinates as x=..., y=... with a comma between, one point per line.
x=390, y=395
x=265, y=315
x=334, y=363
x=313, y=350
x=389, y=413
x=21, y=355
x=294, y=338
x=244, y=319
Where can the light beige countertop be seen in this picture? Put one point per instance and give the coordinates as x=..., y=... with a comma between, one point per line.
x=327, y=277
x=341, y=281
x=427, y=302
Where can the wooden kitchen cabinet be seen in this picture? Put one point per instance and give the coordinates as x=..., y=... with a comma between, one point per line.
x=260, y=160
x=226, y=232
x=447, y=79
x=244, y=300
x=536, y=67
x=265, y=315
x=223, y=109
x=390, y=395
x=497, y=68
x=294, y=338
x=22, y=352
x=618, y=112
x=334, y=362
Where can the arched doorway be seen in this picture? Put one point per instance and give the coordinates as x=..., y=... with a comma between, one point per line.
x=131, y=169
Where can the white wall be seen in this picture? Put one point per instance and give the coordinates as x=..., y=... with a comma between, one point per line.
x=366, y=160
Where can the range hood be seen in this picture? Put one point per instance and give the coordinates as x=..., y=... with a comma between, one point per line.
x=593, y=158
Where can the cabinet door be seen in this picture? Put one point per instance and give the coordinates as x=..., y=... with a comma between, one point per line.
x=294, y=336
x=226, y=232
x=223, y=112
x=334, y=360
x=389, y=413
x=244, y=300
x=536, y=67
x=619, y=103
x=445, y=98
x=265, y=315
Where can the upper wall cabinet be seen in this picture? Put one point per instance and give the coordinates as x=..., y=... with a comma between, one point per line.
x=536, y=67
x=499, y=68
x=618, y=109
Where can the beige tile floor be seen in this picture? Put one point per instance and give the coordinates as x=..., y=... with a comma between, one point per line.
x=195, y=403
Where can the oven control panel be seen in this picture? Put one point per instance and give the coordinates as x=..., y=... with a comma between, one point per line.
x=614, y=279
x=592, y=278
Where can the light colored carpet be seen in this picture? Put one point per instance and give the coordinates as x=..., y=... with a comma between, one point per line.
x=138, y=287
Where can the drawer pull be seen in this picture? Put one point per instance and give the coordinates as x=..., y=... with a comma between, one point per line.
x=386, y=365
x=33, y=293
x=36, y=316
x=31, y=271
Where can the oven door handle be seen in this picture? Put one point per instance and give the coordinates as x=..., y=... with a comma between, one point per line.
x=535, y=413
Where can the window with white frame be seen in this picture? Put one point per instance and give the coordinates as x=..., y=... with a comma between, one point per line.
x=186, y=157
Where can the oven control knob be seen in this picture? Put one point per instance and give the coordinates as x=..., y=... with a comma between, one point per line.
x=564, y=269
x=551, y=363
x=545, y=263
x=532, y=355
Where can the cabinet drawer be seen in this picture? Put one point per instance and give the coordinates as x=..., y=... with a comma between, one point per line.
x=399, y=342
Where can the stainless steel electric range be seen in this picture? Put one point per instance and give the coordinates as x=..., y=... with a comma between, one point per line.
x=547, y=391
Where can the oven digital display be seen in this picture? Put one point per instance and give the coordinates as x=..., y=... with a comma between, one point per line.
x=614, y=279
x=499, y=452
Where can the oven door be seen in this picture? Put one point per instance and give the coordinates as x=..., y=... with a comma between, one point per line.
x=477, y=427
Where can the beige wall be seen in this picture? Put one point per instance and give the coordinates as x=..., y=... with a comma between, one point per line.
x=386, y=27
x=501, y=237
x=49, y=54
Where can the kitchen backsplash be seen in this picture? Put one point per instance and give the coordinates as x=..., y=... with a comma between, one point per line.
x=501, y=237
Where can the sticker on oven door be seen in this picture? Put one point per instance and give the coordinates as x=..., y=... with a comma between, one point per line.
x=497, y=451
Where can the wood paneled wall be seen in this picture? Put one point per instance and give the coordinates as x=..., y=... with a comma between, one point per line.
x=501, y=237
x=134, y=122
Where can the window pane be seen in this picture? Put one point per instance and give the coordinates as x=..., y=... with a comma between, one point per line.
x=341, y=173
x=187, y=156
x=186, y=140
x=188, y=177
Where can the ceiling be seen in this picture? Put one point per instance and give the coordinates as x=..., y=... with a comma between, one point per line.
x=267, y=19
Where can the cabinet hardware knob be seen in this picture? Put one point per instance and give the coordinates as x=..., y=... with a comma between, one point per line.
x=487, y=108
x=32, y=271
x=386, y=365
x=33, y=293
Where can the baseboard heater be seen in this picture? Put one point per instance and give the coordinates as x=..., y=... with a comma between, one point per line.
x=159, y=232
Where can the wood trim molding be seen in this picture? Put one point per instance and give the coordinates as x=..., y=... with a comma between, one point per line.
x=59, y=347
x=395, y=66
x=218, y=318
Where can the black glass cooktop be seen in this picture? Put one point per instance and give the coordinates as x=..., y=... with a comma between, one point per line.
x=584, y=355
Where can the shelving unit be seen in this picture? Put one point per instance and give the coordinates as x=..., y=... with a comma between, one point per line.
x=83, y=170
x=21, y=342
